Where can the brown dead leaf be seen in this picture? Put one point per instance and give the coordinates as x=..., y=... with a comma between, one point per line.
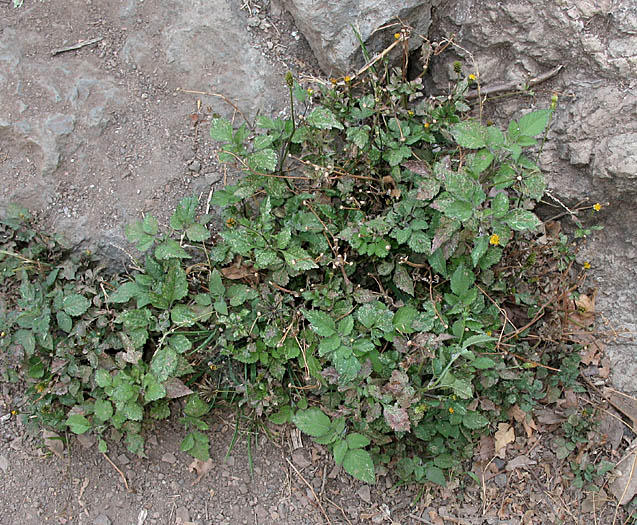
x=176, y=388
x=604, y=370
x=388, y=180
x=486, y=448
x=236, y=272
x=519, y=462
x=553, y=228
x=624, y=487
x=546, y=416
x=54, y=443
x=504, y=436
x=201, y=467
x=522, y=417
x=570, y=399
x=586, y=304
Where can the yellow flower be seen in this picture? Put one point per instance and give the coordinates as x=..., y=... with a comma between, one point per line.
x=2, y=334
x=587, y=265
x=231, y=222
x=348, y=78
x=597, y=206
x=489, y=333
x=451, y=410
x=333, y=81
x=14, y=412
x=472, y=77
x=310, y=91
x=396, y=36
x=494, y=239
x=410, y=113
x=426, y=125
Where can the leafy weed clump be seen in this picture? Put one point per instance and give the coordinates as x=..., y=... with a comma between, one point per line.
x=378, y=281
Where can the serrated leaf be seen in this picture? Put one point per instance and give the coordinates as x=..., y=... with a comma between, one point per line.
x=184, y=214
x=323, y=118
x=135, y=443
x=346, y=325
x=103, y=378
x=397, y=418
x=182, y=315
x=403, y=280
x=133, y=411
x=470, y=134
x=521, y=220
x=215, y=284
x=339, y=450
x=329, y=344
x=180, y=343
x=154, y=391
x=196, y=407
x=150, y=225
x=534, y=123
x=78, y=424
x=359, y=464
x=197, y=232
x=135, y=233
x=474, y=420
x=480, y=247
x=170, y=249
x=264, y=258
x=298, y=259
x=283, y=416
x=462, y=388
x=358, y=135
x=320, y=322
x=346, y=364
x=75, y=304
x=312, y=422
x=482, y=363
x=264, y=160
x=221, y=130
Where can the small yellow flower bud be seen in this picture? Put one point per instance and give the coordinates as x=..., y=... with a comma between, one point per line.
x=597, y=206
x=348, y=79
x=494, y=239
x=587, y=265
x=472, y=77
x=451, y=410
x=426, y=125
x=396, y=36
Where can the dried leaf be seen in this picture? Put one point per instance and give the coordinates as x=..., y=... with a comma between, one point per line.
x=626, y=404
x=519, y=462
x=486, y=450
x=547, y=416
x=624, y=487
x=504, y=436
x=397, y=419
x=54, y=443
x=201, y=468
x=176, y=388
x=236, y=272
x=522, y=417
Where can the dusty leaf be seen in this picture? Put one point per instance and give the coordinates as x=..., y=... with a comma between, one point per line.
x=519, y=462
x=54, y=443
x=397, y=418
x=237, y=271
x=504, y=436
x=201, y=468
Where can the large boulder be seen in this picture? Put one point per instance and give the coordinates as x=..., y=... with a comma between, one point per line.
x=328, y=27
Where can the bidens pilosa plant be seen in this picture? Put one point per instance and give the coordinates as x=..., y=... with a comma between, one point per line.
x=376, y=282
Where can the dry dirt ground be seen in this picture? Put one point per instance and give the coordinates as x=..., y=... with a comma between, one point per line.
x=89, y=139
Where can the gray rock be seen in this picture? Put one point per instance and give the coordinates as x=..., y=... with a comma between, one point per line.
x=327, y=26
x=102, y=519
x=4, y=464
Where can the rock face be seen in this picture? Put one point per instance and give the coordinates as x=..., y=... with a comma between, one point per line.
x=592, y=147
x=328, y=27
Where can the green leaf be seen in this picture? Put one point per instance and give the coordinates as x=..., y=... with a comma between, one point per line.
x=320, y=322
x=323, y=118
x=283, y=416
x=461, y=280
x=403, y=280
x=75, y=304
x=534, y=123
x=470, y=134
x=403, y=319
x=358, y=135
x=221, y=130
x=26, y=339
x=150, y=225
x=339, y=450
x=462, y=388
x=182, y=315
x=154, y=391
x=264, y=160
x=133, y=411
x=197, y=232
x=135, y=443
x=346, y=364
x=200, y=448
x=103, y=409
x=264, y=258
x=483, y=363
x=103, y=378
x=346, y=325
x=196, y=407
x=435, y=475
x=135, y=233
x=481, y=245
x=500, y=205
x=476, y=340
x=184, y=214
x=164, y=363
x=124, y=293
x=329, y=344
x=474, y=420
x=312, y=422
x=215, y=284
x=298, y=259
x=355, y=440
x=170, y=249
x=180, y=343
x=78, y=423
x=521, y=220
x=358, y=463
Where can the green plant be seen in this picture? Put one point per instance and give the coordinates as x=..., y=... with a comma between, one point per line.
x=358, y=289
